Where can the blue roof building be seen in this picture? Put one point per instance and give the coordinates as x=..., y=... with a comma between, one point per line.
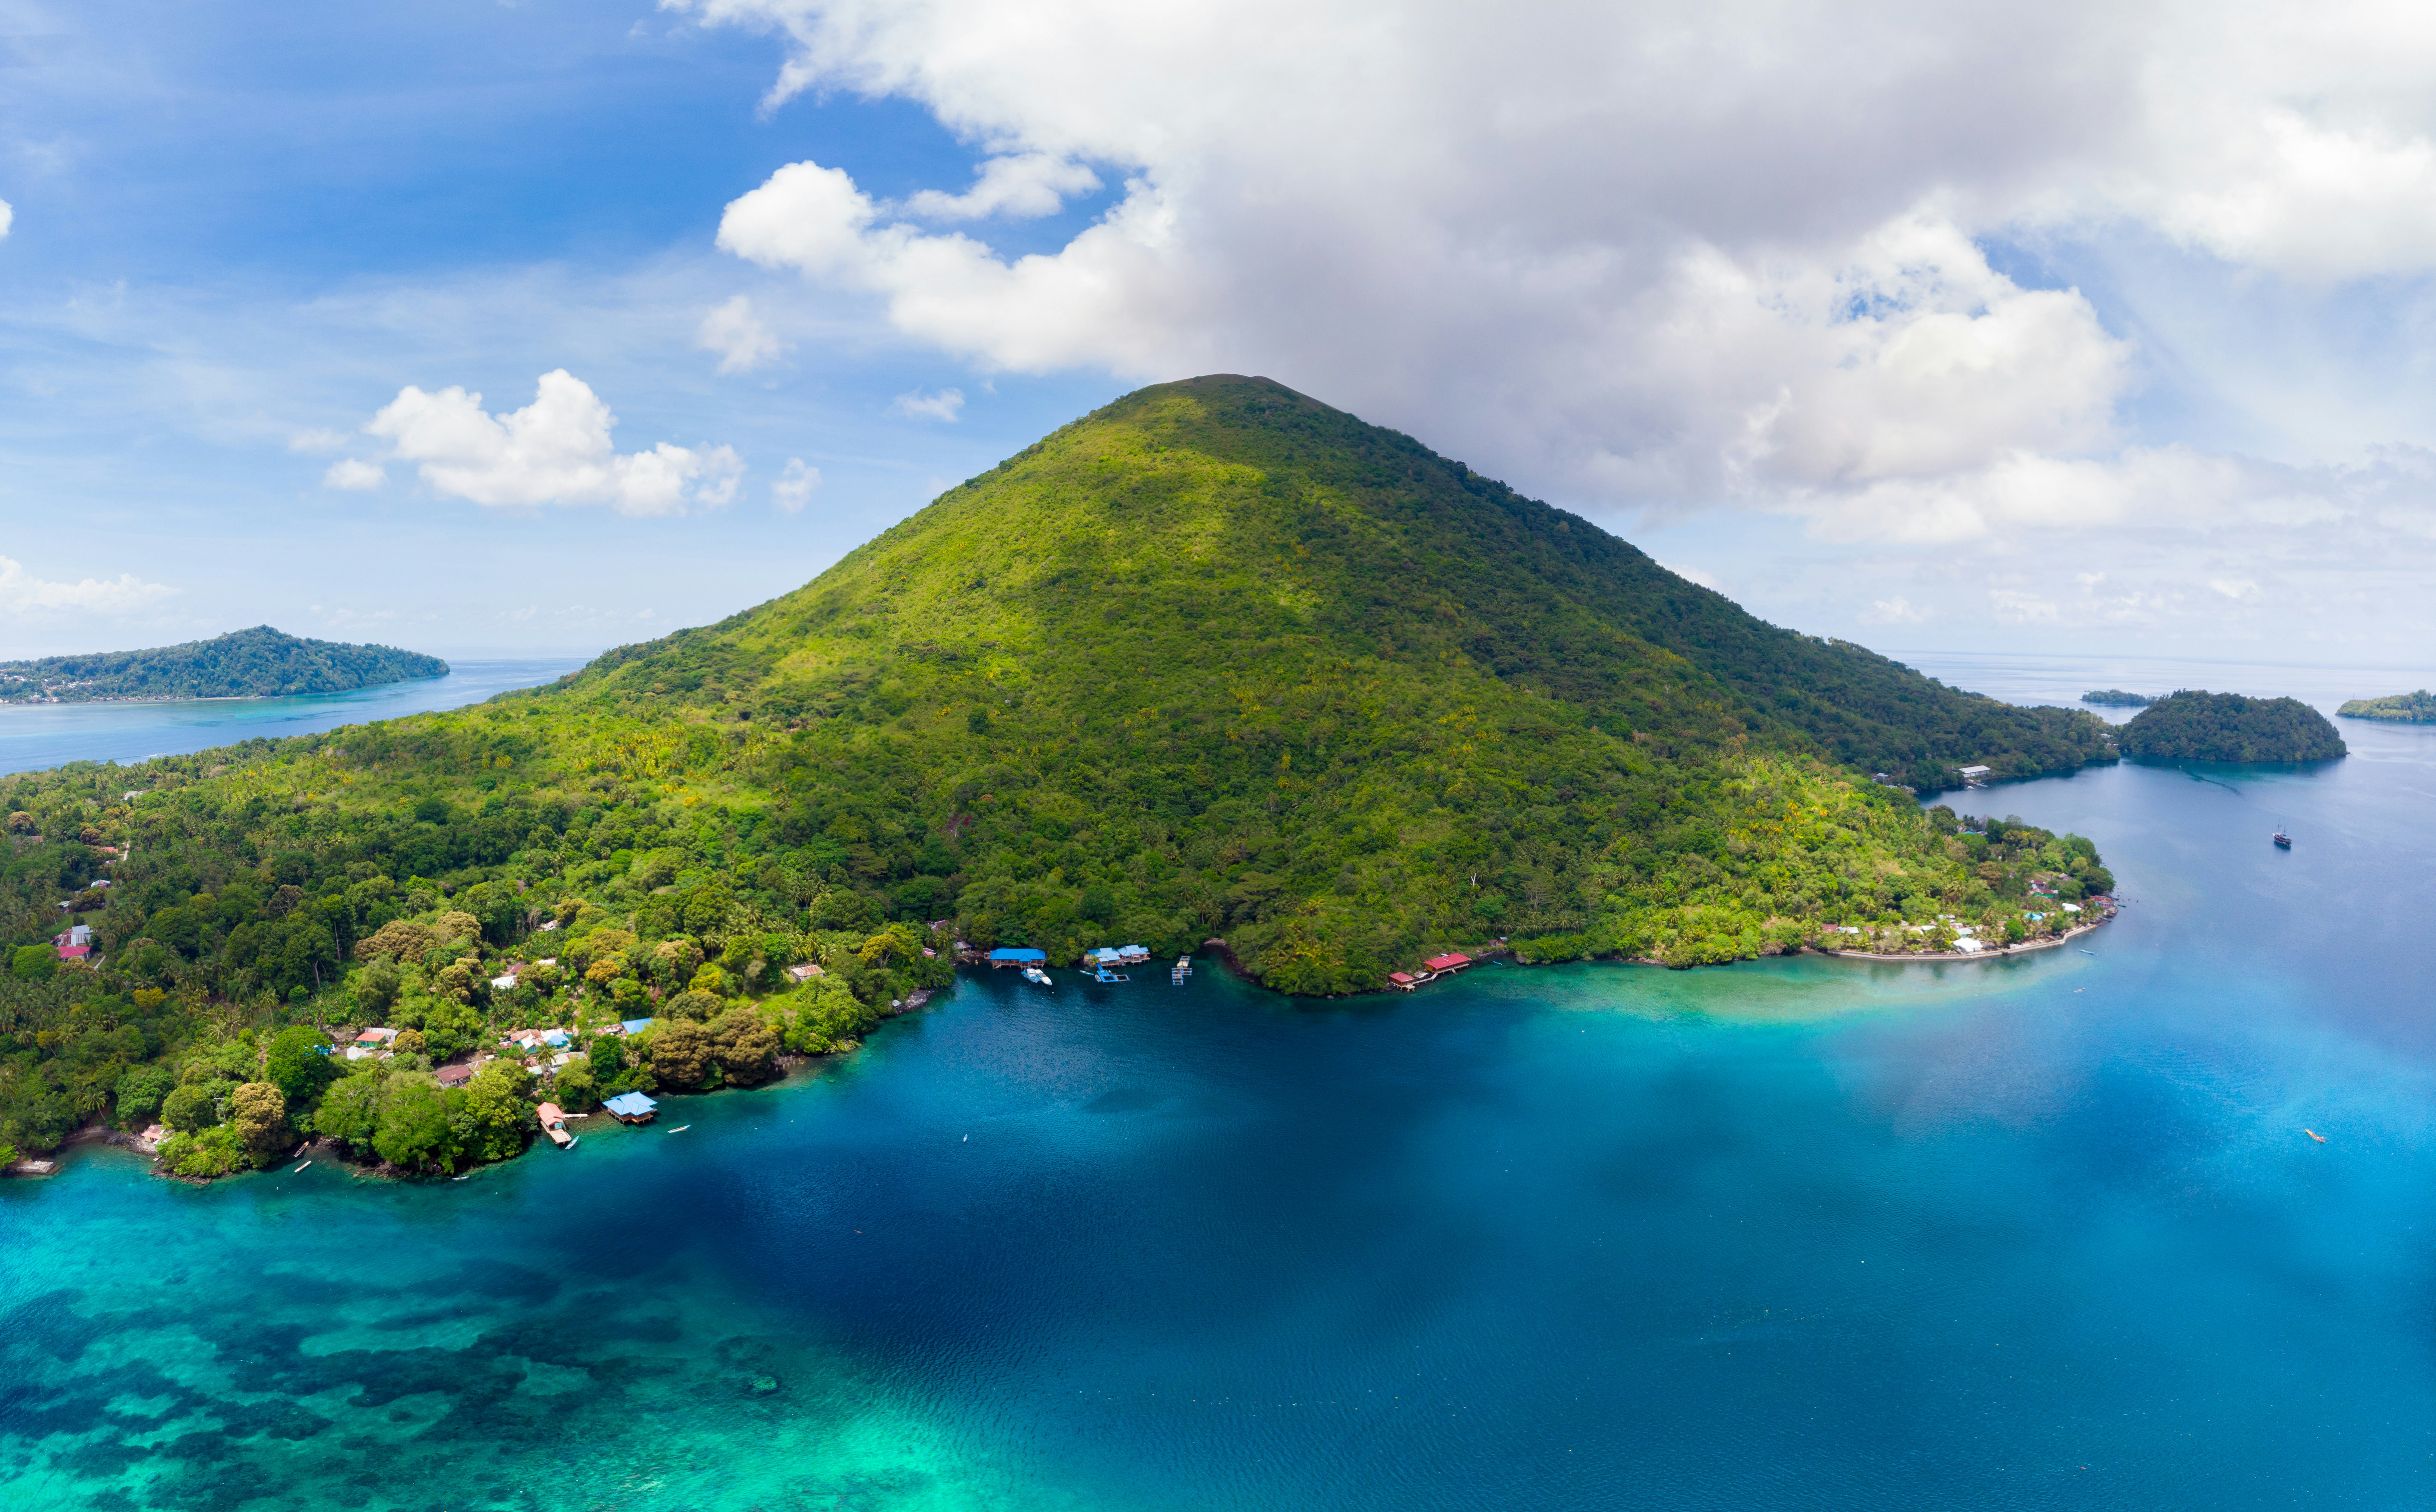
x=1007, y=957
x=633, y=1026
x=632, y=1107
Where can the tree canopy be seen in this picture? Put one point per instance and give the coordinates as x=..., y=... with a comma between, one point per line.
x=2202, y=727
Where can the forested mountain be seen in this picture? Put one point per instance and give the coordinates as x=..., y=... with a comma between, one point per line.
x=1213, y=661
x=2200, y=726
x=257, y=663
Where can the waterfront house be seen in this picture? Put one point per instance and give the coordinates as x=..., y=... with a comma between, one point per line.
x=553, y=1122
x=1440, y=965
x=1006, y=956
x=1401, y=981
x=632, y=1107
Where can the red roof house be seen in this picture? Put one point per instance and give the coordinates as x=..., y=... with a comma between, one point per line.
x=1450, y=961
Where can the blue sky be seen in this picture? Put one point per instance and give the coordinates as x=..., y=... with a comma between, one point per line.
x=2097, y=327
x=266, y=222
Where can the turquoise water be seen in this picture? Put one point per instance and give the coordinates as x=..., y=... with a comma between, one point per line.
x=2042, y=1232
x=34, y=737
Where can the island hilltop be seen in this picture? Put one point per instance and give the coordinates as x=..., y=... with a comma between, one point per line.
x=1214, y=664
x=2398, y=708
x=2197, y=727
x=257, y=663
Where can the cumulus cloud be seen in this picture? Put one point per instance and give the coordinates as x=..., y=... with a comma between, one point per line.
x=945, y=405
x=1024, y=185
x=793, y=487
x=556, y=450
x=355, y=475
x=7, y=218
x=22, y=593
x=1679, y=252
x=737, y=335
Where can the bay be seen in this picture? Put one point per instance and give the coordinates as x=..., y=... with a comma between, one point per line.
x=2038, y=1232
x=37, y=736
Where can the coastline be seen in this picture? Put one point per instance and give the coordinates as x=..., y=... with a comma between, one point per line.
x=1944, y=956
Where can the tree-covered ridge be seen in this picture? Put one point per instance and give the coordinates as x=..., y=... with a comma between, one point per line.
x=257, y=663
x=2202, y=726
x=2398, y=708
x=2117, y=699
x=1238, y=503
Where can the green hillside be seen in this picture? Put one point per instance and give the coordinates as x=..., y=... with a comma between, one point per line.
x=2396, y=709
x=257, y=663
x=2200, y=726
x=1213, y=661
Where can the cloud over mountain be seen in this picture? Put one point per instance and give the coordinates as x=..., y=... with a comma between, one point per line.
x=556, y=450
x=1679, y=254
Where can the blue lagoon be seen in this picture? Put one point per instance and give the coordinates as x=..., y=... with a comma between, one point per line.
x=2039, y=1232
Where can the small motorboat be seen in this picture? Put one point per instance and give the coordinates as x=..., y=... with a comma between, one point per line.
x=2315, y=1135
x=300, y=1168
x=681, y=1128
x=1036, y=976
x=1104, y=974
x=2283, y=841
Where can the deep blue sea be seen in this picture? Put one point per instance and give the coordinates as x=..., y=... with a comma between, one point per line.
x=2042, y=1232
x=34, y=737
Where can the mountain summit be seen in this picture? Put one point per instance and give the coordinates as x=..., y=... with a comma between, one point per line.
x=1216, y=660
x=1220, y=659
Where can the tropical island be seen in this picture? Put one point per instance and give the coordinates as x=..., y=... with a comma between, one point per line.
x=2202, y=727
x=2398, y=708
x=257, y=663
x=2117, y=699
x=1215, y=663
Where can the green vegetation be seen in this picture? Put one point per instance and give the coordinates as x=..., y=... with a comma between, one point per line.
x=2116, y=698
x=2399, y=708
x=2200, y=727
x=1216, y=660
x=257, y=663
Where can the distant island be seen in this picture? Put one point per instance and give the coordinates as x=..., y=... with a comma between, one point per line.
x=2202, y=727
x=257, y=663
x=2115, y=697
x=2400, y=708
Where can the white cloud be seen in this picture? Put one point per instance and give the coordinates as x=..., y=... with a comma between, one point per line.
x=21, y=592
x=945, y=405
x=350, y=472
x=793, y=488
x=556, y=450
x=1778, y=294
x=1895, y=611
x=7, y=218
x=320, y=440
x=739, y=336
x=1693, y=575
x=2234, y=588
x=2015, y=607
x=1026, y=186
